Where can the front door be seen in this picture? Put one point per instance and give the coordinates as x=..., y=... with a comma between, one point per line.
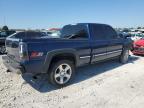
x=115, y=43
x=99, y=43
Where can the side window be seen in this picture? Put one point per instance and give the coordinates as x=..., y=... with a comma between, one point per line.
x=110, y=32
x=97, y=32
x=74, y=32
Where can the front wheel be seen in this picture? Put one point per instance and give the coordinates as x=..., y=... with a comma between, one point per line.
x=124, y=56
x=61, y=72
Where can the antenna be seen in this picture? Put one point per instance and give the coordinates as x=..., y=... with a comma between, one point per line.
x=4, y=20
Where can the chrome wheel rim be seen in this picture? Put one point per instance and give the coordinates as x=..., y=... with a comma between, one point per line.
x=63, y=74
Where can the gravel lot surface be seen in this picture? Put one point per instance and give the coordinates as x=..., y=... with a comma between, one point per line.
x=103, y=85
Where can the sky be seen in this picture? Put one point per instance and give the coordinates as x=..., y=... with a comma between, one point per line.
x=43, y=14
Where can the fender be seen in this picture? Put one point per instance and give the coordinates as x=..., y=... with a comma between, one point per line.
x=54, y=53
x=127, y=44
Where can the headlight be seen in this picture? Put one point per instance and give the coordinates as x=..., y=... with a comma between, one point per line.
x=134, y=45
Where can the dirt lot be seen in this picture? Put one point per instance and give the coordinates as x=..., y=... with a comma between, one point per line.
x=103, y=85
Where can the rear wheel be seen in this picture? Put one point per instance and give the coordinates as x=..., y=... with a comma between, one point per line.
x=124, y=56
x=61, y=72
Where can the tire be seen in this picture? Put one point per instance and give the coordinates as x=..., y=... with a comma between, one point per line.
x=124, y=56
x=61, y=72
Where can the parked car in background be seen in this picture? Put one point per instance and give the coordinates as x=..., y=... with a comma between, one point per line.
x=138, y=47
x=55, y=32
x=3, y=35
x=127, y=36
x=77, y=45
x=136, y=37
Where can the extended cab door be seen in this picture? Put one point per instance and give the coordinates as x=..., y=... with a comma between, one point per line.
x=99, y=43
x=115, y=43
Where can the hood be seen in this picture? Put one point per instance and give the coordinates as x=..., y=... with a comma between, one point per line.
x=140, y=42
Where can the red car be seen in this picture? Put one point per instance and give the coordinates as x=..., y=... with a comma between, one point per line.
x=138, y=47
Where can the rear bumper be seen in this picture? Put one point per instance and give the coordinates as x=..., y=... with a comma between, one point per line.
x=12, y=66
x=30, y=67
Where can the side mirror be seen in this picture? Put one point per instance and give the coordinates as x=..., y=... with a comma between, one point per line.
x=121, y=35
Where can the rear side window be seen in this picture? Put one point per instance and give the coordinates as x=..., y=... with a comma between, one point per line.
x=97, y=32
x=74, y=32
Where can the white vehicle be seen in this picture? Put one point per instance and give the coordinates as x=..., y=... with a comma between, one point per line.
x=137, y=36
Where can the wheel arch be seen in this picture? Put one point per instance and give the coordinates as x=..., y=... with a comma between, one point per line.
x=60, y=54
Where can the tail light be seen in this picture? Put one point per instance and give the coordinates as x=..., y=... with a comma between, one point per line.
x=35, y=54
x=23, y=51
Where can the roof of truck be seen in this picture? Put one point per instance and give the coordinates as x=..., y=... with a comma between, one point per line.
x=89, y=24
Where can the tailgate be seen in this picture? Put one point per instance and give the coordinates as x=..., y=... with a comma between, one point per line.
x=12, y=47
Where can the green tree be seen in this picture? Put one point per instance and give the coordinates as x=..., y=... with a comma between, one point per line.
x=5, y=28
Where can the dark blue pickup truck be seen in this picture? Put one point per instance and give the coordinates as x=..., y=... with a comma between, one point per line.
x=77, y=45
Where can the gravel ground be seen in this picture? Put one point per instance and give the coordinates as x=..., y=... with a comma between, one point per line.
x=103, y=85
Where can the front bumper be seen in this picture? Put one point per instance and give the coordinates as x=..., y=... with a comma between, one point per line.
x=12, y=65
x=139, y=51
